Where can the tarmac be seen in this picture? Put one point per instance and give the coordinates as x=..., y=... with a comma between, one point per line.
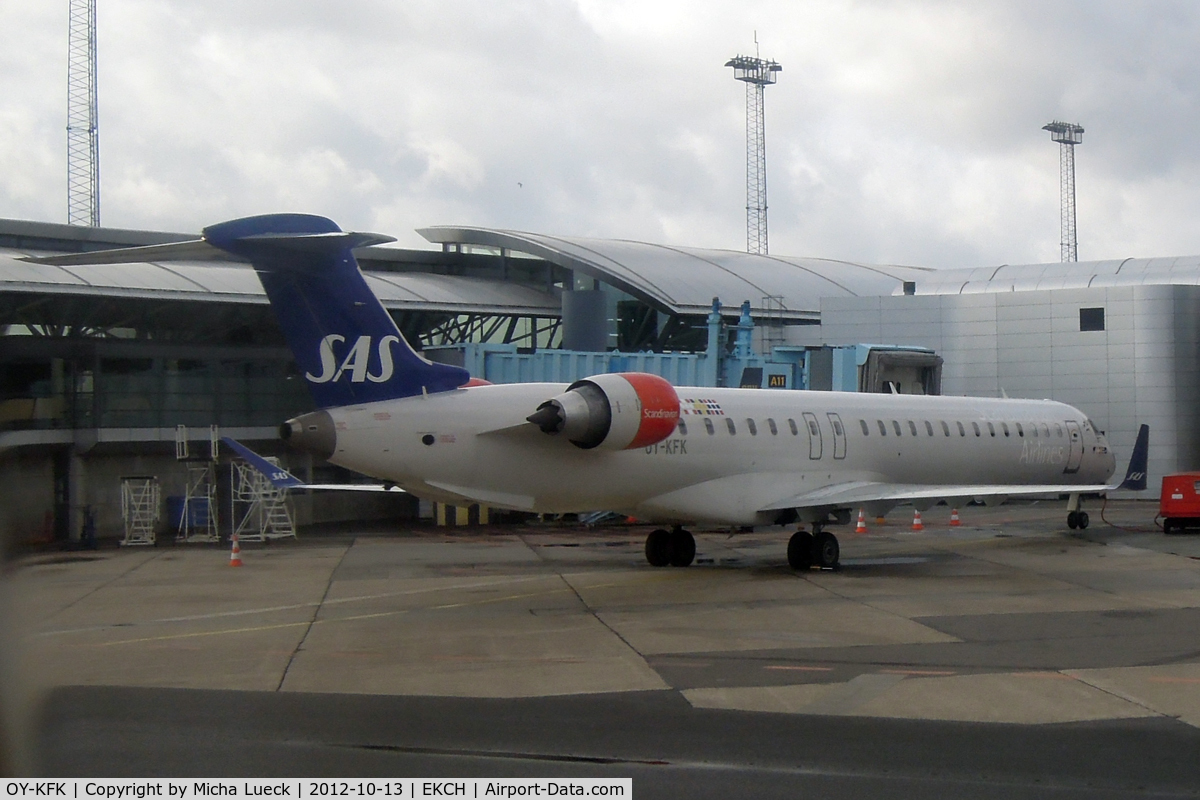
x=1006, y=657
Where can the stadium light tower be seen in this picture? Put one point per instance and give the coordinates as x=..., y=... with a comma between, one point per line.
x=1067, y=134
x=83, y=133
x=757, y=74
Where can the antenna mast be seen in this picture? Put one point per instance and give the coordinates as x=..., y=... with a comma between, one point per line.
x=757, y=73
x=83, y=134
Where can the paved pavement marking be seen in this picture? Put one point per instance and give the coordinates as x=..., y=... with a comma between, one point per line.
x=248, y=630
x=332, y=619
x=294, y=606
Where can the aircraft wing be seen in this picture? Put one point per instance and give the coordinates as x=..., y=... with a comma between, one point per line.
x=858, y=492
x=280, y=478
x=853, y=493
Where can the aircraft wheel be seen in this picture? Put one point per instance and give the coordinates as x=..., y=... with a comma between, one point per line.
x=826, y=550
x=800, y=551
x=683, y=548
x=1072, y=519
x=1081, y=519
x=658, y=548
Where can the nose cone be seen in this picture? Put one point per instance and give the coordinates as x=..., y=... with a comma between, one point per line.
x=311, y=433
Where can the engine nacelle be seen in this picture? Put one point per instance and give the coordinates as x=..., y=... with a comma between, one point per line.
x=618, y=411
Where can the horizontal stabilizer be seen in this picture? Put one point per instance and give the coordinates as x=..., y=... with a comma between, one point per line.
x=193, y=250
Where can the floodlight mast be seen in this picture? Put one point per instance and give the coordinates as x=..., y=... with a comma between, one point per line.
x=1067, y=134
x=83, y=127
x=756, y=73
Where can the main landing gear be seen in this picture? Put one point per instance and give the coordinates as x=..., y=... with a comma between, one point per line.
x=818, y=548
x=676, y=547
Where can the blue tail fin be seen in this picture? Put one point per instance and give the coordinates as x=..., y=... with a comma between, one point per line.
x=345, y=343
x=1135, y=476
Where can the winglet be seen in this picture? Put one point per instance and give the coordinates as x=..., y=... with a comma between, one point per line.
x=279, y=477
x=1135, y=476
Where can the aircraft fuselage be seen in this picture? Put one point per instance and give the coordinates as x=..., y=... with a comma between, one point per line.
x=735, y=453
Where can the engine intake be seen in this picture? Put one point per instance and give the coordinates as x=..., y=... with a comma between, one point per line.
x=619, y=411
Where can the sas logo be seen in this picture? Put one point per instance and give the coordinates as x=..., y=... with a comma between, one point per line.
x=356, y=361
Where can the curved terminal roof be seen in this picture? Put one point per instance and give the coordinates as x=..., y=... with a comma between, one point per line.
x=231, y=282
x=1180, y=270
x=684, y=280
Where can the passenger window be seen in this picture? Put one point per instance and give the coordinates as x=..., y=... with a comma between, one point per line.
x=771, y=425
x=961, y=430
x=912, y=427
x=945, y=427
x=682, y=428
x=792, y=425
x=753, y=428
x=1058, y=430
x=732, y=428
x=837, y=428
x=929, y=427
x=866, y=430
x=812, y=428
x=1045, y=431
x=882, y=428
x=896, y=428
x=991, y=429
x=975, y=425
x=1020, y=430
x=708, y=426
x=1004, y=427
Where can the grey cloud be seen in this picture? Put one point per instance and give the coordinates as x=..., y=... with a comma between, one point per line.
x=898, y=132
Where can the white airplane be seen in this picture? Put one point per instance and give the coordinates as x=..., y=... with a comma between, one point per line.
x=632, y=442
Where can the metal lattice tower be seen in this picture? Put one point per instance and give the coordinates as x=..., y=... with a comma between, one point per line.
x=1067, y=134
x=757, y=73
x=83, y=134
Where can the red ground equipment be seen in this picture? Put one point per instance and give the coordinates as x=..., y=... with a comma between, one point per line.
x=1179, y=504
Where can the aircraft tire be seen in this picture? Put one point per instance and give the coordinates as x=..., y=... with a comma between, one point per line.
x=826, y=550
x=800, y=551
x=683, y=548
x=1072, y=519
x=658, y=548
x=1081, y=519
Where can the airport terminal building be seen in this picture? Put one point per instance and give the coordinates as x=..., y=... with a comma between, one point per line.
x=101, y=363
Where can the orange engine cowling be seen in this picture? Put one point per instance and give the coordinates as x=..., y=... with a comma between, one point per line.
x=618, y=411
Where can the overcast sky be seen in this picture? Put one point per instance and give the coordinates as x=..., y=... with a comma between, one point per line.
x=904, y=132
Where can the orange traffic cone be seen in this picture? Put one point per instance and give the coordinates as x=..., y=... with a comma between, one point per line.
x=917, y=524
x=235, y=555
x=954, y=517
x=862, y=522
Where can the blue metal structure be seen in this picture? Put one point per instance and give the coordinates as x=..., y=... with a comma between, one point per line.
x=740, y=366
